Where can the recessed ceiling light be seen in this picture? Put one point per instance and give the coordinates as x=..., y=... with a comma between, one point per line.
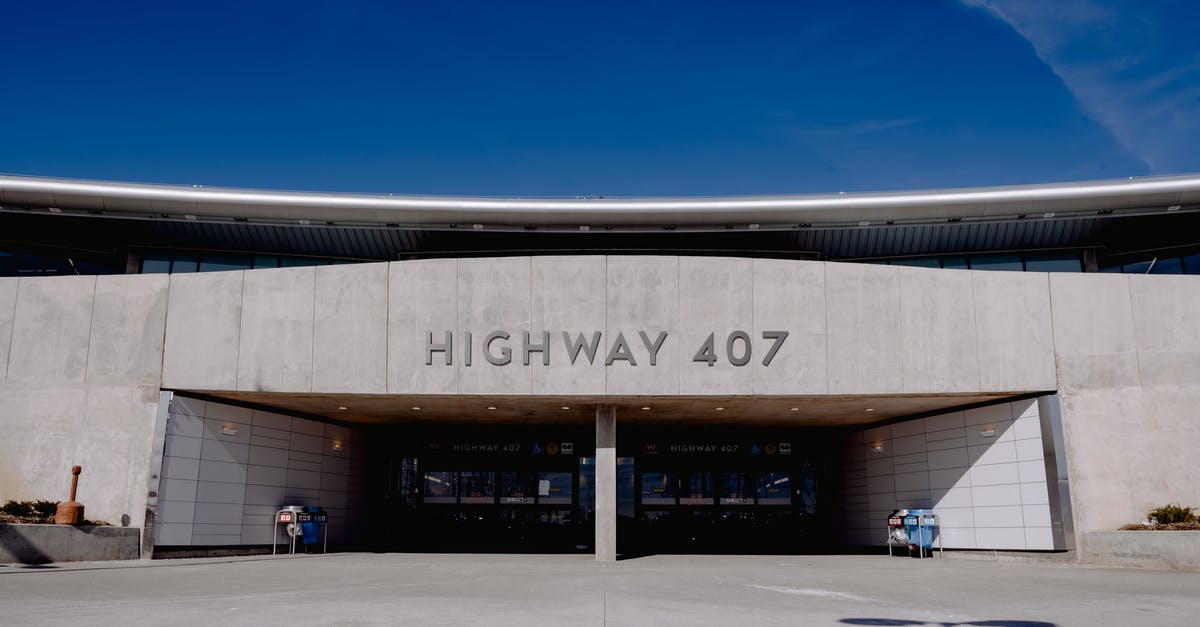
x=342, y=408
x=54, y=209
x=1173, y=208
x=718, y=409
x=794, y=409
x=491, y=408
x=870, y=409
x=415, y=408
x=645, y=409
x=565, y=407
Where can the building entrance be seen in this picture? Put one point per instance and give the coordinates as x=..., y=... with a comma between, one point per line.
x=490, y=490
x=738, y=492
x=678, y=490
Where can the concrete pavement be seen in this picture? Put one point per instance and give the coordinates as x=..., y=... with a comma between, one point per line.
x=439, y=589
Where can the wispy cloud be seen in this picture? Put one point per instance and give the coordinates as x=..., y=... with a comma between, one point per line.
x=1134, y=67
x=853, y=129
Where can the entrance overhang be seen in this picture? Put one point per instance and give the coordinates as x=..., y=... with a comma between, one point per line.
x=759, y=411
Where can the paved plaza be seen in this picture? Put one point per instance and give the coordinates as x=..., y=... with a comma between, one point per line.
x=429, y=589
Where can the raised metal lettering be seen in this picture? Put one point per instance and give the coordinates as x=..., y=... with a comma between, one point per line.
x=543, y=348
x=744, y=358
x=445, y=347
x=779, y=337
x=652, y=347
x=620, y=350
x=579, y=344
x=707, y=353
x=505, y=352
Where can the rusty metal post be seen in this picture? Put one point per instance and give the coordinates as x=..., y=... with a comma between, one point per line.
x=71, y=512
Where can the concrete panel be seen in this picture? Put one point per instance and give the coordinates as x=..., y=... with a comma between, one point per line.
x=129, y=318
x=350, y=345
x=643, y=295
x=494, y=295
x=790, y=296
x=1166, y=328
x=40, y=443
x=1093, y=330
x=569, y=295
x=1014, y=333
x=275, y=353
x=114, y=446
x=864, y=346
x=204, y=314
x=422, y=298
x=51, y=329
x=716, y=296
x=8, y=310
x=937, y=329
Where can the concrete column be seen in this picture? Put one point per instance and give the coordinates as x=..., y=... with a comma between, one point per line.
x=606, y=483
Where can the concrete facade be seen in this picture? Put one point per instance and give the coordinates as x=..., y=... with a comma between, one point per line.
x=82, y=359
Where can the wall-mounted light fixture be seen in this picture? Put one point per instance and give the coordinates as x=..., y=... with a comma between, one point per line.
x=338, y=446
x=877, y=447
x=228, y=430
x=987, y=432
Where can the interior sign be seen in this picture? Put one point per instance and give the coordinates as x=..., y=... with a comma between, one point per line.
x=497, y=348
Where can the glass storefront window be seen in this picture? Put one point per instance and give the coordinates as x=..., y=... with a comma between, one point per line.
x=183, y=263
x=774, y=488
x=954, y=262
x=737, y=488
x=477, y=487
x=217, y=263
x=156, y=263
x=1191, y=264
x=554, y=488
x=1167, y=265
x=441, y=487
x=1137, y=268
x=928, y=262
x=658, y=488
x=696, y=488
x=266, y=261
x=996, y=262
x=517, y=488
x=1054, y=262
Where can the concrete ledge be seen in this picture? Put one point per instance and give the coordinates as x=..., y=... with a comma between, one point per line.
x=1167, y=550
x=40, y=544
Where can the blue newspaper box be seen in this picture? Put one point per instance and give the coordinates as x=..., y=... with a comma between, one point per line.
x=920, y=524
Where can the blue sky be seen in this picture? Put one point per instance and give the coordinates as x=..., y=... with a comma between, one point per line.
x=601, y=99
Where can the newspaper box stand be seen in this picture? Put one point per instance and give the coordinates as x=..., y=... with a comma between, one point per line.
x=291, y=517
x=897, y=535
x=914, y=528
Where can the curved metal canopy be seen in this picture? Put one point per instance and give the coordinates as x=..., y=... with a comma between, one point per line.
x=192, y=202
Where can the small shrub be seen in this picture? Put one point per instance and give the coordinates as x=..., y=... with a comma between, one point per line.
x=1173, y=513
x=34, y=509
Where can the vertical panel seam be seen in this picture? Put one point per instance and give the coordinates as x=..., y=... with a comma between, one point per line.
x=237, y=368
x=825, y=288
x=387, y=326
x=1137, y=348
x=1053, y=334
x=91, y=317
x=312, y=348
x=12, y=329
x=975, y=324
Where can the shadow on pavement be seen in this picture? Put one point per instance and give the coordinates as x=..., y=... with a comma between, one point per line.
x=975, y=623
